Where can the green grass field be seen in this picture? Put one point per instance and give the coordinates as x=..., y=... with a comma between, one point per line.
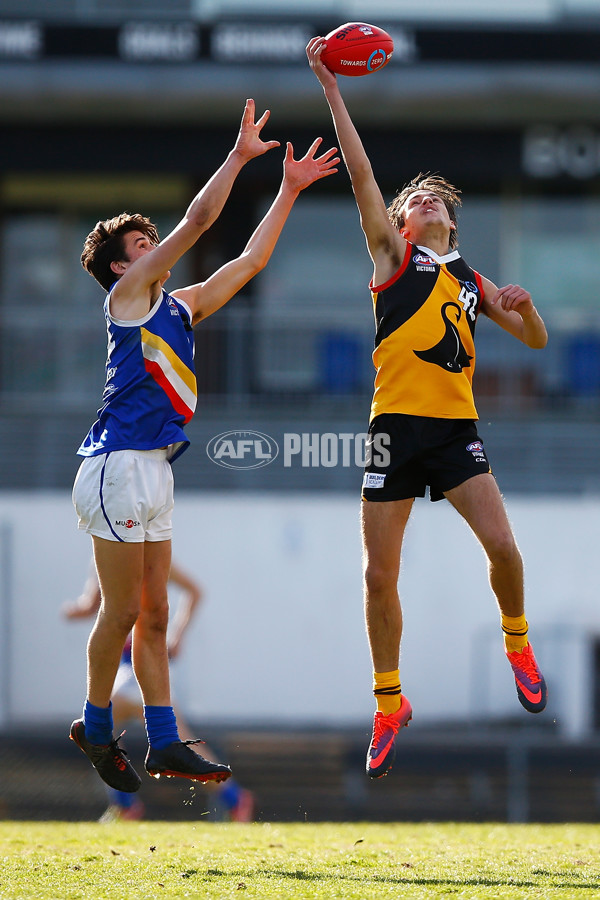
x=138, y=860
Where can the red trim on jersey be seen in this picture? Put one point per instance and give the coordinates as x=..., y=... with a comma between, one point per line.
x=479, y=281
x=396, y=275
x=179, y=406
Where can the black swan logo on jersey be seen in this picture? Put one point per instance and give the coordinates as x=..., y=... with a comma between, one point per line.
x=448, y=353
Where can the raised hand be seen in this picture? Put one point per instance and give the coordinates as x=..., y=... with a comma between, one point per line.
x=300, y=173
x=249, y=143
x=314, y=48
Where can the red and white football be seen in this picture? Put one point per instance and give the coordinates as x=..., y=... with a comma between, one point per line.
x=357, y=49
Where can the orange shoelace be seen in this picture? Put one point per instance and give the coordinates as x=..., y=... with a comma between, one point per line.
x=527, y=664
x=384, y=723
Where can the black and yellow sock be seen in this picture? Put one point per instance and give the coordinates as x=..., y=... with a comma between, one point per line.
x=515, y=632
x=388, y=692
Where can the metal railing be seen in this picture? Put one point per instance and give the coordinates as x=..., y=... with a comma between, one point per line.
x=245, y=357
x=540, y=410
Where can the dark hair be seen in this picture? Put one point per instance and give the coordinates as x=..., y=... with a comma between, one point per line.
x=425, y=181
x=105, y=245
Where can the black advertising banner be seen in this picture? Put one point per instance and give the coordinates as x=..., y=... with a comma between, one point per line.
x=283, y=42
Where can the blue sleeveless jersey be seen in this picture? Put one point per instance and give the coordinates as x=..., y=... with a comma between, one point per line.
x=150, y=390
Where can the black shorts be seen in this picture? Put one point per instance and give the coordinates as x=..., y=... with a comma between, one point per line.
x=405, y=454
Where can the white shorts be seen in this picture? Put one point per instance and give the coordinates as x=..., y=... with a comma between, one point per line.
x=126, y=685
x=125, y=495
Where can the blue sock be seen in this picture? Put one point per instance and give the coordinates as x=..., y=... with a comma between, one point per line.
x=161, y=726
x=121, y=799
x=98, y=723
x=230, y=793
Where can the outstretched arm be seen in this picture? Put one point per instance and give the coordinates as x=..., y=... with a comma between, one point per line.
x=204, y=299
x=190, y=598
x=138, y=278
x=88, y=602
x=512, y=308
x=386, y=246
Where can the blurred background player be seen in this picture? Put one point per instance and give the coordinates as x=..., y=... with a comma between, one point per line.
x=123, y=492
x=127, y=702
x=426, y=301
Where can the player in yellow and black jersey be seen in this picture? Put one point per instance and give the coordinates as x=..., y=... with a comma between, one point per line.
x=424, y=342
x=426, y=301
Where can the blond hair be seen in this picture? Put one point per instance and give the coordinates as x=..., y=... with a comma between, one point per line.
x=425, y=181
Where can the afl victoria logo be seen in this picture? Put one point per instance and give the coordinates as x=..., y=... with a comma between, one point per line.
x=423, y=260
x=242, y=449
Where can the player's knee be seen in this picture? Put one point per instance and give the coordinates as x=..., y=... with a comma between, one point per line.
x=154, y=620
x=503, y=550
x=378, y=579
x=122, y=620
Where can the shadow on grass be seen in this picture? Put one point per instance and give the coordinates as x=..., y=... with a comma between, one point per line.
x=300, y=875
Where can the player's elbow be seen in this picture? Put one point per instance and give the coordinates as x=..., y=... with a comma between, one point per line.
x=360, y=173
x=200, y=217
x=537, y=340
x=202, y=221
x=254, y=261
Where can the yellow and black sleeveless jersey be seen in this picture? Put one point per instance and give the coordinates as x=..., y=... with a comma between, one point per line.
x=424, y=353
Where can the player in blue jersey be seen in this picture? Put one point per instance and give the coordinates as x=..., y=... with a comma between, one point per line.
x=123, y=492
x=236, y=801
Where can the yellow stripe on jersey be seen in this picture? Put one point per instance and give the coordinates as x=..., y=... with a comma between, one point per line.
x=181, y=379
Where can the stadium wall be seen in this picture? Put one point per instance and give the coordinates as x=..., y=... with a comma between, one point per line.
x=280, y=638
